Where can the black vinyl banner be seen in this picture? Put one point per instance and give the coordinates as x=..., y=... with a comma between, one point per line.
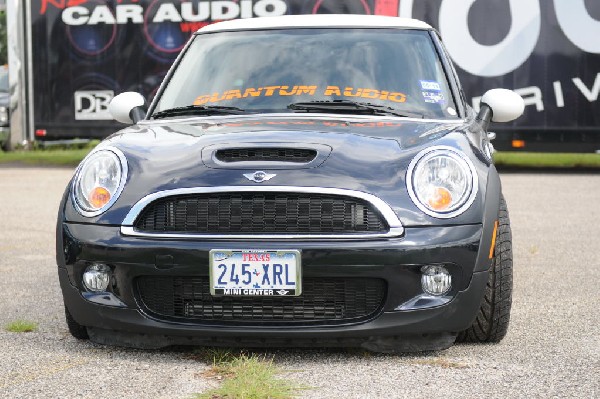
x=548, y=51
x=86, y=51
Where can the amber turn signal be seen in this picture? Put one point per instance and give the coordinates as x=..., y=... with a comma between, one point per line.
x=99, y=197
x=441, y=199
x=494, y=234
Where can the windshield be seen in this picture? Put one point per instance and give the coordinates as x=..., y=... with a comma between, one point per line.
x=270, y=71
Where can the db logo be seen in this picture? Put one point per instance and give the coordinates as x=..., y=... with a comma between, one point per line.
x=93, y=105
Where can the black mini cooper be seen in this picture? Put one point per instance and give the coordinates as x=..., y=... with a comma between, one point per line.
x=297, y=181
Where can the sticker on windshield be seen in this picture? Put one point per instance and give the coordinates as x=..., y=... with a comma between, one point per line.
x=310, y=90
x=433, y=97
x=430, y=85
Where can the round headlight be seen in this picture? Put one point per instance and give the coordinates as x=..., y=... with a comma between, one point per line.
x=99, y=181
x=442, y=182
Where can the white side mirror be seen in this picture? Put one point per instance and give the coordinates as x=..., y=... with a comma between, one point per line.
x=123, y=104
x=506, y=105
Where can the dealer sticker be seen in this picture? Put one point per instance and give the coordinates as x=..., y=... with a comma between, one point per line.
x=430, y=85
x=433, y=97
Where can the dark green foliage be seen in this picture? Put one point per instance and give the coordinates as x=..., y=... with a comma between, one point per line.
x=3, y=43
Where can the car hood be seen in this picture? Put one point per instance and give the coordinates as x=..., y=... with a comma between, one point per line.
x=368, y=155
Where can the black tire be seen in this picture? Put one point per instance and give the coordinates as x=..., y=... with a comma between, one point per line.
x=7, y=145
x=491, y=323
x=76, y=329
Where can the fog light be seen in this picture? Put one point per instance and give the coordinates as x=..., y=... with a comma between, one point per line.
x=435, y=280
x=96, y=277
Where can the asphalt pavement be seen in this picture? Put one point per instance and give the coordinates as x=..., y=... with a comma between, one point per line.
x=552, y=348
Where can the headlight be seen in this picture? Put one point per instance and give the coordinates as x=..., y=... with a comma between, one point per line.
x=3, y=115
x=99, y=181
x=442, y=182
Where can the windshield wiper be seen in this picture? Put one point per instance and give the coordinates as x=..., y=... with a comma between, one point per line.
x=198, y=110
x=345, y=106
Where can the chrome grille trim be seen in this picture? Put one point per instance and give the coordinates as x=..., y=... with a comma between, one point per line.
x=395, y=226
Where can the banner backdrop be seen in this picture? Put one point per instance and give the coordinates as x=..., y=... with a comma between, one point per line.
x=85, y=51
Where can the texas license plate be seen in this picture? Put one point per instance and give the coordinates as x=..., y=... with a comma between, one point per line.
x=255, y=272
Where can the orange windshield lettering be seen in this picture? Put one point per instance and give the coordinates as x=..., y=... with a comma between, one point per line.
x=397, y=97
x=332, y=91
x=310, y=90
x=269, y=90
x=250, y=92
x=370, y=93
x=348, y=92
x=200, y=100
x=231, y=94
x=283, y=91
x=300, y=90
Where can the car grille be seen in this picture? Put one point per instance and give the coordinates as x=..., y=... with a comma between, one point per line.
x=297, y=155
x=323, y=301
x=260, y=213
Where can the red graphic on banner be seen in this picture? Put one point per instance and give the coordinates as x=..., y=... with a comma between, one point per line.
x=191, y=27
x=387, y=7
x=62, y=4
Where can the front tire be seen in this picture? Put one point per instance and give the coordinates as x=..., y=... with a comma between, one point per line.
x=7, y=145
x=491, y=323
x=77, y=330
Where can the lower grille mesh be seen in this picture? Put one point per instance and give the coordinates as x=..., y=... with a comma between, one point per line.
x=323, y=301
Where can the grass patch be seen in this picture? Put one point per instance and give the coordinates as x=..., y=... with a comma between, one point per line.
x=45, y=157
x=244, y=376
x=57, y=155
x=21, y=326
x=546, y=160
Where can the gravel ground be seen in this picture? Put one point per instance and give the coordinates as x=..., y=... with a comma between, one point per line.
x=552, y=348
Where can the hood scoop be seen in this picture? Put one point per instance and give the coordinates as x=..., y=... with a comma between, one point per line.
x=266, y=154
x=288, y=155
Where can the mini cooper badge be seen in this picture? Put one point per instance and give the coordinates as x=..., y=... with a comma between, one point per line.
x=259, y=176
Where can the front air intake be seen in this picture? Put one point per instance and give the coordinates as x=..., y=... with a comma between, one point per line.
x=266, y=154
x=324, y=300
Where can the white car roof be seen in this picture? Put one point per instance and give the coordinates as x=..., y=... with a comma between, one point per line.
x=316, y=21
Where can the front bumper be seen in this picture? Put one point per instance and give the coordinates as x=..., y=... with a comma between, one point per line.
x=121, y=319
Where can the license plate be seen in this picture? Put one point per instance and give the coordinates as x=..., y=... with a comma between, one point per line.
x=255, y=272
